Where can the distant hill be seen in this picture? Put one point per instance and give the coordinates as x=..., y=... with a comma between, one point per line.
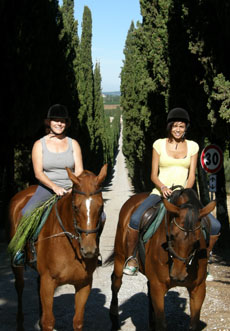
x=112, y=93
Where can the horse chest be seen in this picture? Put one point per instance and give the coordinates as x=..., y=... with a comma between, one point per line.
x=70, y=273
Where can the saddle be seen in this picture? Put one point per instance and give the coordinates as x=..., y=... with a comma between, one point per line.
x=150, y=222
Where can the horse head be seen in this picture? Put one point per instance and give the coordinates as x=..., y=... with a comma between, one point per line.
x=183, y=230
x=88, y=204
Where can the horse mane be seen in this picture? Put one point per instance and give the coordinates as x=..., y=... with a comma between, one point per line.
x=193, y=205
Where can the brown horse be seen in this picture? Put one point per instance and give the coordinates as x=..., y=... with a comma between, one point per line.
x=67, y=247
x=175, y=255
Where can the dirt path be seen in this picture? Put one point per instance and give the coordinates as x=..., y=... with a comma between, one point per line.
x=132, y=297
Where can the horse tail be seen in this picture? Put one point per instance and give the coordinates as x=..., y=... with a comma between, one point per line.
x=109, y=260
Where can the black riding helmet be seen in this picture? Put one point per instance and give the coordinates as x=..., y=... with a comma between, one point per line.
x=178, y=115
x=58, y=111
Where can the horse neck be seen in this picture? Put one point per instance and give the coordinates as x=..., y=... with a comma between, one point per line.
x=65, y=212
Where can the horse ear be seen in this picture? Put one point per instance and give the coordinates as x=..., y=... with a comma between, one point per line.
x=171, y=207
x=207, y=209
x=102, y=174
x=72, y=176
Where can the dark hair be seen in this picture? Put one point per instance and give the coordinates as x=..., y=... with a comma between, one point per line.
x=169, y=130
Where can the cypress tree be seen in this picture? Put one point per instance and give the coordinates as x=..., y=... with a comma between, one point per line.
x=32, y=78
x=134, y=89
x=85, y=87
x=209, y=43
x=69, y=38
x=99, y=121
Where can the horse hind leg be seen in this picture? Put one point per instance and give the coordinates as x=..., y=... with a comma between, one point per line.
x=116, y=279
x=19, y=286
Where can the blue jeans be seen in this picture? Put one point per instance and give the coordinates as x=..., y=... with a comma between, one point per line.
x=152, y=200
x=41, y=195
x=215, y=225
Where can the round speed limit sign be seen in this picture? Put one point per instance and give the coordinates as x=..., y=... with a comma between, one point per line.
x=211, y=159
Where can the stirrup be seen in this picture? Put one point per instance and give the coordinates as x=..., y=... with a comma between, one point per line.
x=19, y=259
x=131, y=270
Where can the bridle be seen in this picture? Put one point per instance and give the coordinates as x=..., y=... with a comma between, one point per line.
x=188, y=260
x=77, y=228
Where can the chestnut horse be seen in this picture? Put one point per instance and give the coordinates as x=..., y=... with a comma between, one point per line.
x=67, y=247
x=175, y=255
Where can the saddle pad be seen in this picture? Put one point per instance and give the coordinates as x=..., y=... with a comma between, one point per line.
x=155, y=224
x=43, y=220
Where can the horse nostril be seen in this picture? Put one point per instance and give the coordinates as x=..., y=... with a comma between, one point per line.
x=89, y=252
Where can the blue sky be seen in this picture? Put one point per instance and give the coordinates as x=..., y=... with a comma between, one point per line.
x=111, y=20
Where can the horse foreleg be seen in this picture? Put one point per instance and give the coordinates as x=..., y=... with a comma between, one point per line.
x=47, y=287
x=197, y=296
x=116, y=279
x=19, y=286
x=157, y=292
x=81, y=296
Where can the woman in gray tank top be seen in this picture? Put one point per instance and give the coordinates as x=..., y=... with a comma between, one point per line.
x=50, y=155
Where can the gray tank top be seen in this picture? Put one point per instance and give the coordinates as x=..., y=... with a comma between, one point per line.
x=54, y=164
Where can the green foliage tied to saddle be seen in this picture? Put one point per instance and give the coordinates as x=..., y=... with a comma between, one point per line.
x=30, y=225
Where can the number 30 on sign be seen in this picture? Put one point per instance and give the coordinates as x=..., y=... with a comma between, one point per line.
x=211, y=159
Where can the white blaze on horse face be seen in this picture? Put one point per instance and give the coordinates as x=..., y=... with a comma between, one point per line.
x=87, y=203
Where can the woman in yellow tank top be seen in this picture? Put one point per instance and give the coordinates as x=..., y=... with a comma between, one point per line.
x=174, y=161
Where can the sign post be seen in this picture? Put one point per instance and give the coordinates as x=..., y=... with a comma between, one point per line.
x=211, y=160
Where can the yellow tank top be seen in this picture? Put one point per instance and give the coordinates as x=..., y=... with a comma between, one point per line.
x=173, y=171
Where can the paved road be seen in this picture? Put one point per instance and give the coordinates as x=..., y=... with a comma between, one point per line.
x=132, y=296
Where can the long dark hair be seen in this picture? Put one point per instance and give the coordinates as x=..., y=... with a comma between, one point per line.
x=169, y=130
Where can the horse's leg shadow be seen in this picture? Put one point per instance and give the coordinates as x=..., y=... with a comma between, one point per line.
x=39, y=301
x=151, y=311
x=19, y=286
x=113, y=311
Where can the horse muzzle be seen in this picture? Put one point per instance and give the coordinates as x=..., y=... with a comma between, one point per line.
x=89, y=251
x=178, y=272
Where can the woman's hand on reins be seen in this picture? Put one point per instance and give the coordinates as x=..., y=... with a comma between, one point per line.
x=166, y=192
x=60, y=191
